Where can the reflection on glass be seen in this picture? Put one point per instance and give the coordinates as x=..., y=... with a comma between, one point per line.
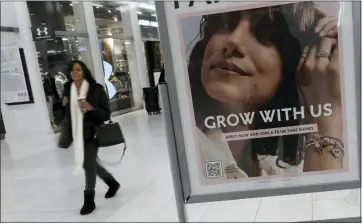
x=54, y=57
x=59, y=14
x=148, y=25
x=57, y=53
x=147, y=21
x=108, y=18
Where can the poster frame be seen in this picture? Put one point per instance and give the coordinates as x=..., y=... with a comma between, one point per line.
x=179, y=146
x=26, y=78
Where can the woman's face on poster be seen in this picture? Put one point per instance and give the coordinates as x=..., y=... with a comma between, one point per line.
x=238, y=69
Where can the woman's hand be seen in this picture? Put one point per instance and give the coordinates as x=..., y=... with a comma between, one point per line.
x=65, y=101
x=85, y=106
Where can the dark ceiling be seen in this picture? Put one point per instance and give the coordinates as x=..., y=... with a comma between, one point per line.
x=102, y=9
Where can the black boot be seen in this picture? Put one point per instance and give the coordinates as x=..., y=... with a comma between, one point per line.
x=89, y=205
x=113, y=187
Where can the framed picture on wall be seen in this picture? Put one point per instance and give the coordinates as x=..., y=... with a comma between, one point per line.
x=15, y=83
x=267, y=97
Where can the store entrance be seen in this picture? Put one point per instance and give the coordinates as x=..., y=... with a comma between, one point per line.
x=54, y=55
x=117, y=75
x=154, y=61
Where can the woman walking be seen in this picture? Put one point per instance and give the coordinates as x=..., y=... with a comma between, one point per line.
x=86, y=108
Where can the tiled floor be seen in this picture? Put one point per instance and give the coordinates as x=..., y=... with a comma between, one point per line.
x=37, y=185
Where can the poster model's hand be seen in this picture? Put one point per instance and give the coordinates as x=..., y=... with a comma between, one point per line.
x=327, y=27
x=318, y=72
x=319, y=77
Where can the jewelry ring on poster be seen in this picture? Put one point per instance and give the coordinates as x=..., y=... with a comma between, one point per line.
x=323, y=54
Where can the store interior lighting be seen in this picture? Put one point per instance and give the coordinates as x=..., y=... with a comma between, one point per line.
x=147, y=23
x=147, y=6
x=97, y=5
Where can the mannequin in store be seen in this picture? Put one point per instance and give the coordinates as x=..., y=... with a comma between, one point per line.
x=49, y=94
x=107, y=74
x=123, y=79
x=60, y=80
x=116, y=83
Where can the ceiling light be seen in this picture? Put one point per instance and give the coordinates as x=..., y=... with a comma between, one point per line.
x=140, y=13
x=97, y=5
x=115, y=19
x=70, y=4
x=109, y=11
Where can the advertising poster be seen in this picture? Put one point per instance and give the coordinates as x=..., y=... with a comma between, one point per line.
x=13, y=83
x=265, y=84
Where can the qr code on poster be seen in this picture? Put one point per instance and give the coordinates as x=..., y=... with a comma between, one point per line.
x=213, y=169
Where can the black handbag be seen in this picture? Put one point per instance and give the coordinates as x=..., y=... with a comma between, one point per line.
x=65, y=138
x=110, y=134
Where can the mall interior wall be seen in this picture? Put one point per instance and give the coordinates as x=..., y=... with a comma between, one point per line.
x=29, y=119
x=33, y=119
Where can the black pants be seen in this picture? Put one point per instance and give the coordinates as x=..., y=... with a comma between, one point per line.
x=92, y=167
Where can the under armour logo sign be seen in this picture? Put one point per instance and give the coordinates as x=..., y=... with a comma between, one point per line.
x=44, y=31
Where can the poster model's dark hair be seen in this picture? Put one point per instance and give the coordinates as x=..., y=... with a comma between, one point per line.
x=87, y=73
x=287, y=28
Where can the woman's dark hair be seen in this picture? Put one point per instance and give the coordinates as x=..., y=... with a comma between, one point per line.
x=277, y=26
x=87, y=73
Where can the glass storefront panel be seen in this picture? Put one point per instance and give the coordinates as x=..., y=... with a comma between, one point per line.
x=55, y=54
x=117, y=75
x=60, y=14
x=148, y=25
x=115, y=52
x=108, y=18
x=153, y=60
x=147, y=21
x=54, y=57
